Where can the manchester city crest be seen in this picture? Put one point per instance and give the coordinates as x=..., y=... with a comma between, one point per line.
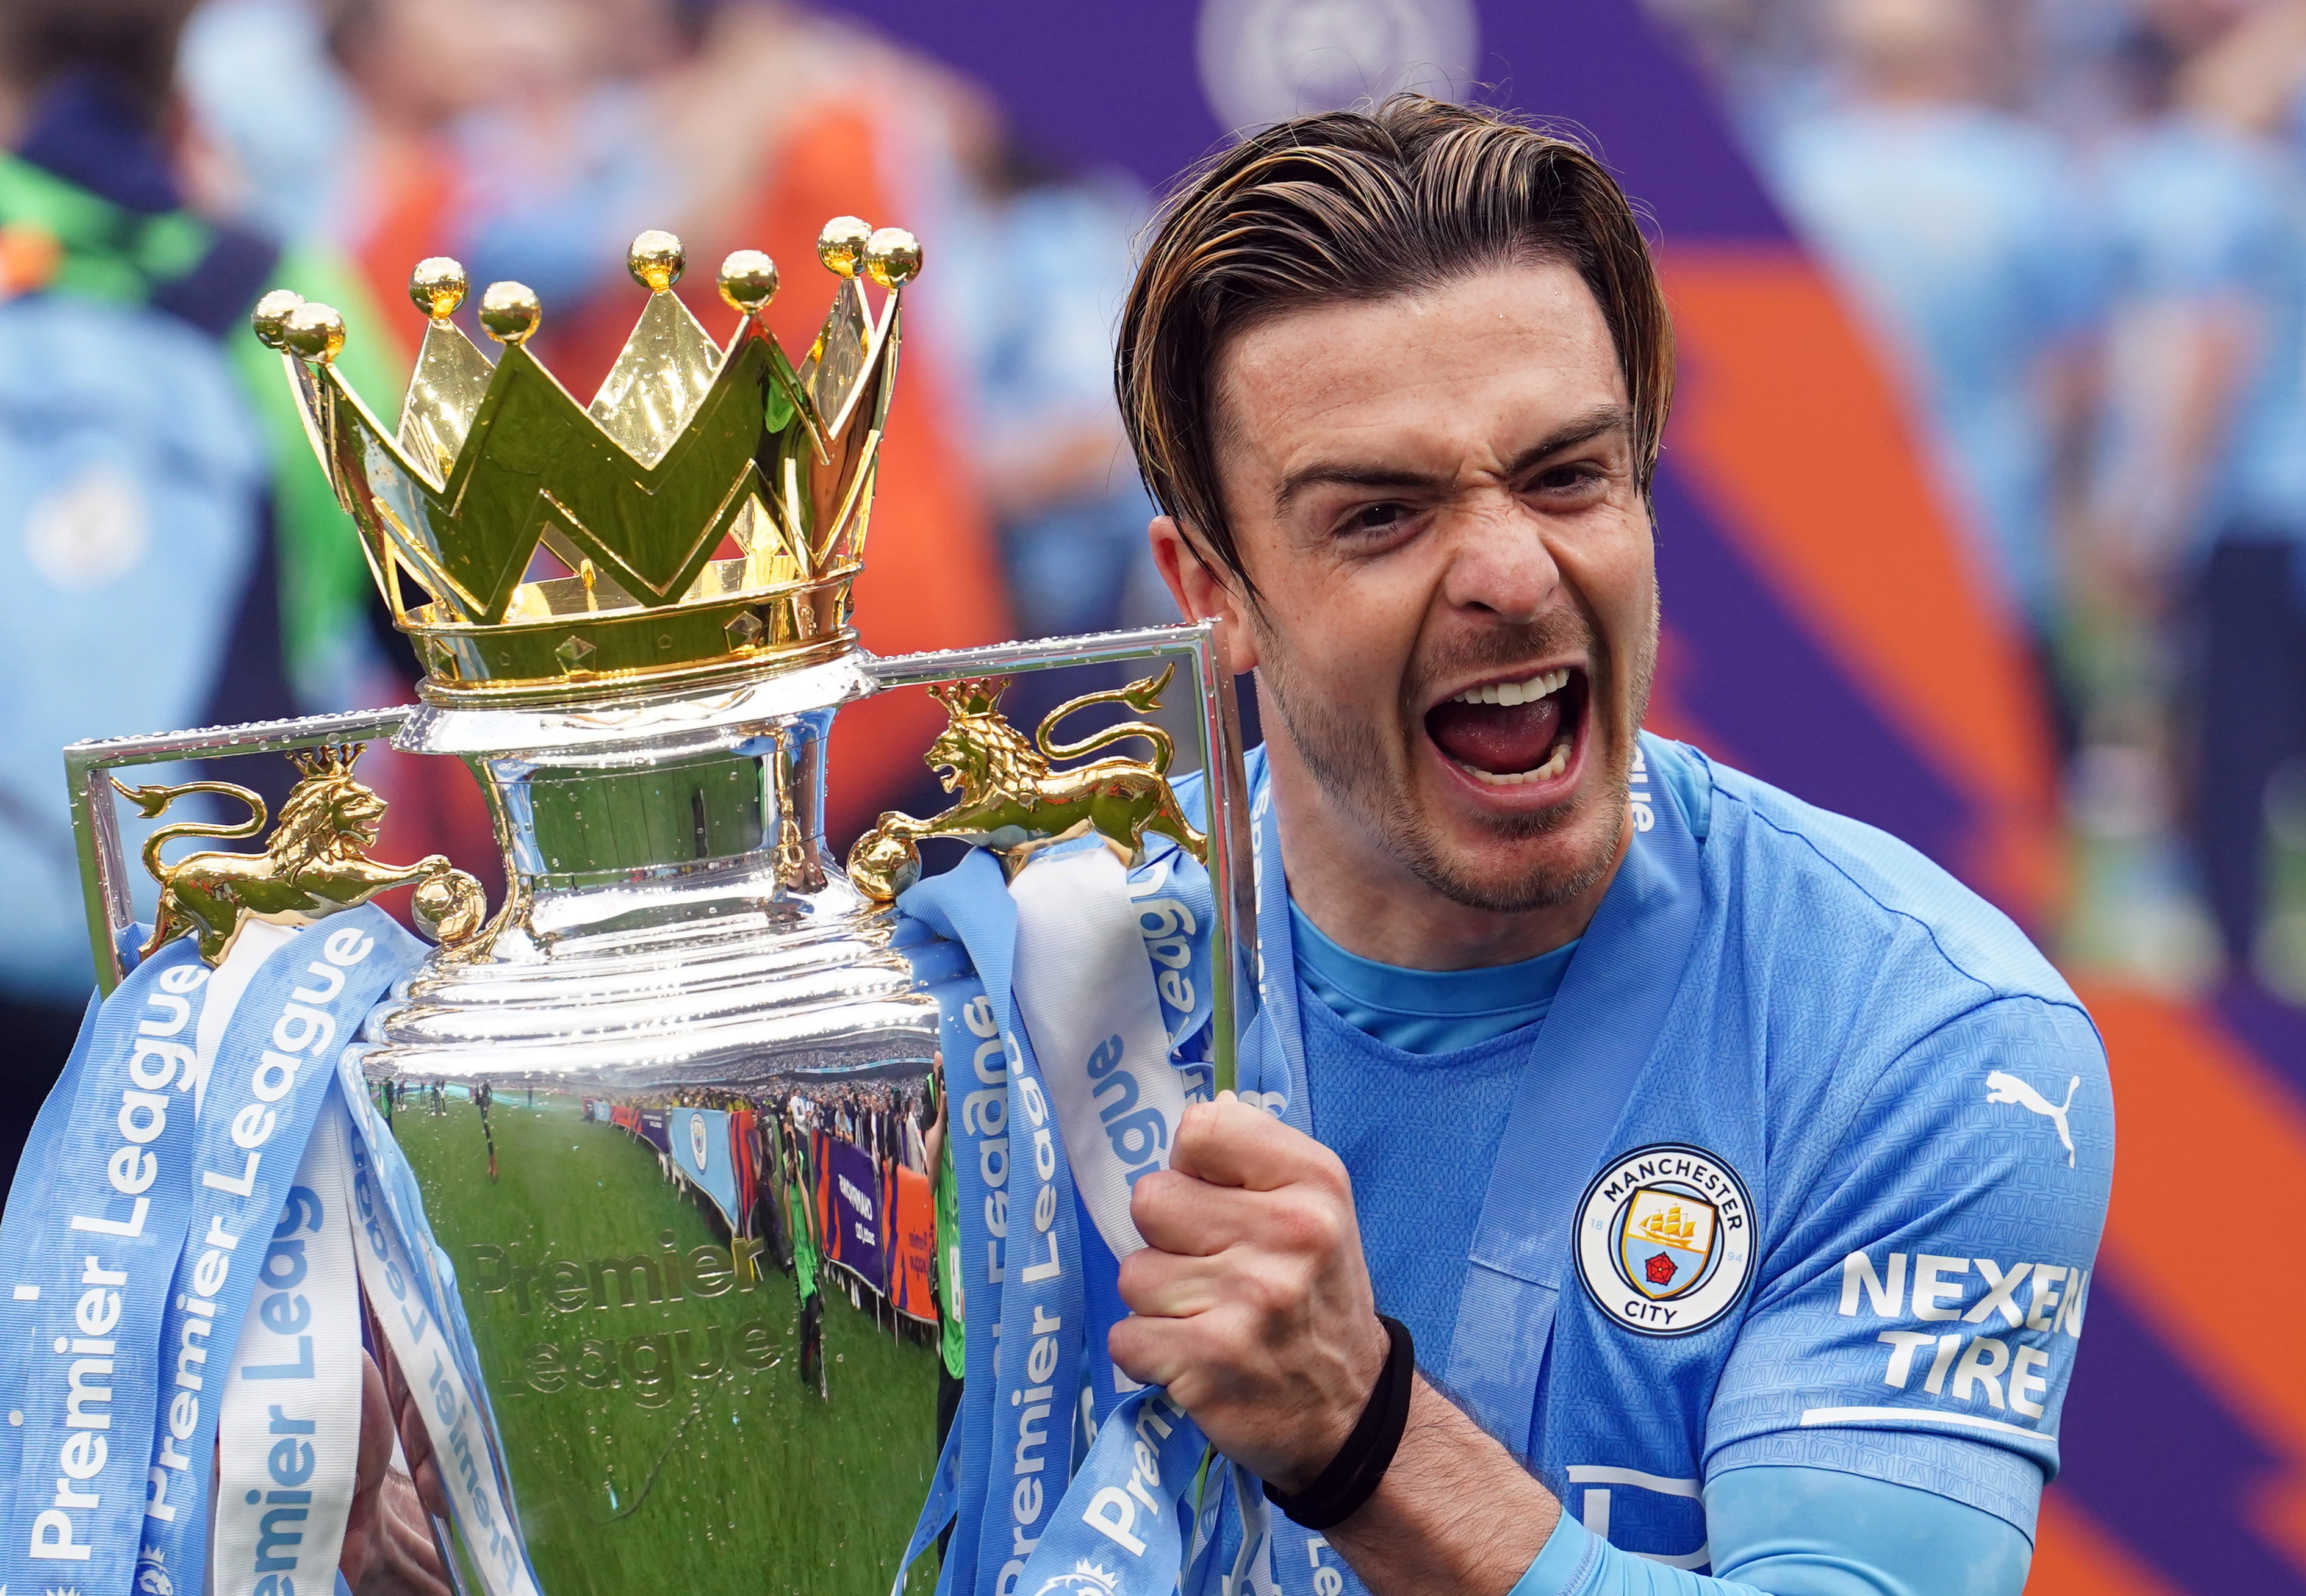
x=1665, y=1239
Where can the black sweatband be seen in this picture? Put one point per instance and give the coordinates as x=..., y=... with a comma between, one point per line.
x=1352, y=1478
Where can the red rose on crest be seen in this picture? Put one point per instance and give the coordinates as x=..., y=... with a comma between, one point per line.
x=1660, y=1268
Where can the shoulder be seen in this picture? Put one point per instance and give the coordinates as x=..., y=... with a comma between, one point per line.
x=1836, y=892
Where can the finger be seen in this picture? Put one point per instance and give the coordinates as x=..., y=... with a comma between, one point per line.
x=1159, y=1286
x=376, y=1431
x=1150, y=1352
x=1183, y=1215
x=1228, y=1143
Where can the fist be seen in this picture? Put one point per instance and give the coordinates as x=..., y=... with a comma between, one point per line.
x=1251, y=1300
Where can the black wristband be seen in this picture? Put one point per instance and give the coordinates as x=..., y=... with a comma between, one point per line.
x=1352, y=1478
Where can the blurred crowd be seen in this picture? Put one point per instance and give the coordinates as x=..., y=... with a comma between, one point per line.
x=2078, y=229
x=172, y=556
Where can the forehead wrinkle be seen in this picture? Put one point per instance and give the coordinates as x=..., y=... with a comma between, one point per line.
x=1417, y=411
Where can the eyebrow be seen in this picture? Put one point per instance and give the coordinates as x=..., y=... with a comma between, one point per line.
x=1594, y=424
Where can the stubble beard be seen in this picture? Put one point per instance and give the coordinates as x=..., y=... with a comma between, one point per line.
x=1347, y=759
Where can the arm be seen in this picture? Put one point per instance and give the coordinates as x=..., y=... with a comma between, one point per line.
x=1251, y=1303
x=1765, y=1527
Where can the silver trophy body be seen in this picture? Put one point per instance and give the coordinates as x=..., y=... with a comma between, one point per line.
x=669, y=1403
x=660, y=1104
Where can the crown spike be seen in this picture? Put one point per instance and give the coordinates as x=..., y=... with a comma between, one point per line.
x=748, y=281
x=438, y=286
x=656, y=260
x=893, y=257
x=313, y=331
x=689, y=446
x=510, y=312
x=270, y=317
x=841, y=245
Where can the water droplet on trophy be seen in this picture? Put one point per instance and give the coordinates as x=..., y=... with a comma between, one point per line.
x=450, y=906
x=312, y=331
x=893, y=257
x=438, y=286
x=271, y=316
x=842, y=244
x=748, y=281
x=656, y=260
x=509, y=311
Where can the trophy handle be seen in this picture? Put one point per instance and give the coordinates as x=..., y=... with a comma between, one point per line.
x=96, y=827
x=1233, y=978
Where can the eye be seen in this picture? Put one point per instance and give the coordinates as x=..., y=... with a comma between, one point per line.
x=1372, y=519
x=1567, y=478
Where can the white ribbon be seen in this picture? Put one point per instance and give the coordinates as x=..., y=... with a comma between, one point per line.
x=452, y=1420
x=1086, y=993
x=288, y=1438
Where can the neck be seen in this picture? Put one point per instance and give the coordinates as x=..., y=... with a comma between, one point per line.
x=1348, y=882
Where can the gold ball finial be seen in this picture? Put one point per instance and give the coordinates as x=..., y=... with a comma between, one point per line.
x=312, y=331
x=509, y=311
x=841, y=245
x=748, y=280
x=270, y=317
x=438, y=285
x=656, y=260
x=893, y=257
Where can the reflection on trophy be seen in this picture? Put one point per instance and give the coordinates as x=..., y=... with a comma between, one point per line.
x=664, y=1103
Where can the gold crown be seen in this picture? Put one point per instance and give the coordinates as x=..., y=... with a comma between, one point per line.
x=707, y=511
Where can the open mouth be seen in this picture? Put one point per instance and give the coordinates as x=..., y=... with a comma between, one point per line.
x=1508, y=734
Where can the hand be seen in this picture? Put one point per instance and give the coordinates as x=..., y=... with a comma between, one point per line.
x=1250, y=1300
x=388, y=1549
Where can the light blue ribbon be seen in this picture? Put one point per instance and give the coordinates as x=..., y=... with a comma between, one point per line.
x=271, y=1076
x=90, y=1245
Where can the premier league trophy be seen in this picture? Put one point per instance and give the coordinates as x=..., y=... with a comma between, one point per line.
x=663, y=1102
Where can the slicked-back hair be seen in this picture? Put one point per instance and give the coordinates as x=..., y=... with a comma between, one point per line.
x=1364, y=205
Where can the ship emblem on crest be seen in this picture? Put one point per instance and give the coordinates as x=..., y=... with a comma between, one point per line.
x=1666, y=1240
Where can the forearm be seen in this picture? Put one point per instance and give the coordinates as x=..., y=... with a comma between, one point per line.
x=1455, y=1513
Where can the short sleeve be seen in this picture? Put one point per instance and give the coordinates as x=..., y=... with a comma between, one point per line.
x=1917, y=1316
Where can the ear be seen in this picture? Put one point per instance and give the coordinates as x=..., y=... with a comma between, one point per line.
x=1204, y=591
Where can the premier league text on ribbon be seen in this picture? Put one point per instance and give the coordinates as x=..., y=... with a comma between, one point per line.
x=136, y=1212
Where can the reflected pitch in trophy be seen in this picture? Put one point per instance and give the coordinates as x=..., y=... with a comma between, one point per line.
x=663, y=1101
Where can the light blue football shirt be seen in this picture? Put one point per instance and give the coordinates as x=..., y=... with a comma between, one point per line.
x=1916, y=1112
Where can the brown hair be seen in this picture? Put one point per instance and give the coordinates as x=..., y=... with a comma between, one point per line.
x=1351, y=205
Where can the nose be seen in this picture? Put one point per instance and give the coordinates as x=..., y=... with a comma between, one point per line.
x=1501, y=566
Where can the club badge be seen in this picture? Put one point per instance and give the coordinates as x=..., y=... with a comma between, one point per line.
x=1665, y=1239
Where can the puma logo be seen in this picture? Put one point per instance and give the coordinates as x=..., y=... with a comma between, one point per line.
x=2002, y=1086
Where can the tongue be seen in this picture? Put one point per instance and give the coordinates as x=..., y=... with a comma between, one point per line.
x=1501, y=739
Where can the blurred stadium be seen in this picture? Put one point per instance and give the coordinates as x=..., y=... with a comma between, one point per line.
x=1983, y=515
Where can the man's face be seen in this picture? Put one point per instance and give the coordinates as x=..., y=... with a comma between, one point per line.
x=1435, y=496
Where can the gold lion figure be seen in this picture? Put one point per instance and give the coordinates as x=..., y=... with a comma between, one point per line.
x=1011, y=798
x=315, y=862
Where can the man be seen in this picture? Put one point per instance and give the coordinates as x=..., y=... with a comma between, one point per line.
x=1732, y=1173
x=1737, y=1171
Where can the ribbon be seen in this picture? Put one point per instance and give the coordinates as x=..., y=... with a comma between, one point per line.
x=135, y=1233
x=293, y=1002
x=89, y=1247
x=290, y=1430
x=434, y=1353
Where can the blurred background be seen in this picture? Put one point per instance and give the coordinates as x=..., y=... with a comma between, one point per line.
x=1983, y=514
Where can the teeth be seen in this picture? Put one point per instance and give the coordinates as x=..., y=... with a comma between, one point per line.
x=1555, y=764
x=1516, y=692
